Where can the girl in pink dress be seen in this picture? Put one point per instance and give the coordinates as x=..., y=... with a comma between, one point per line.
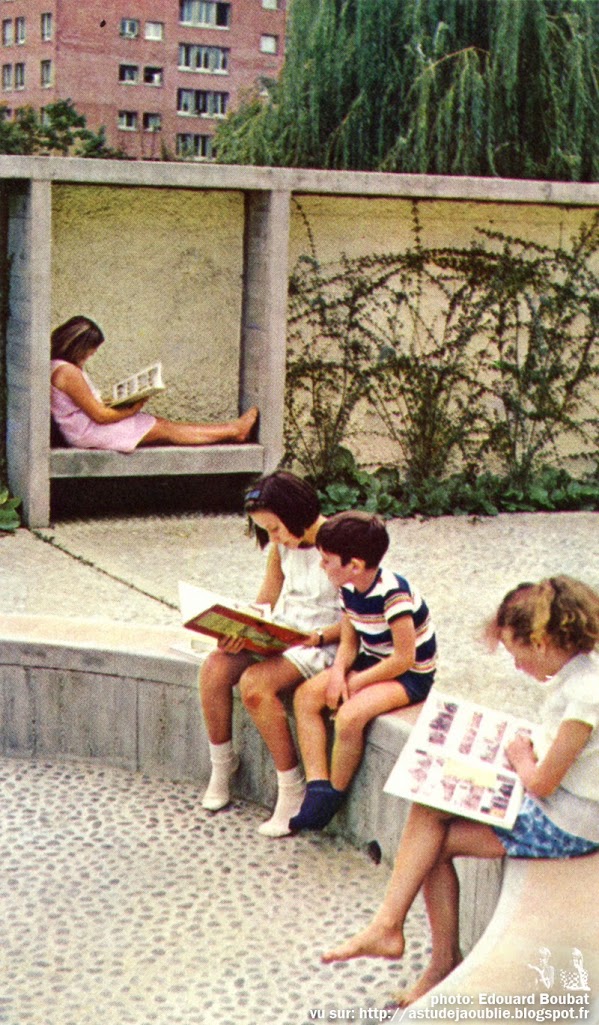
x=86, y=422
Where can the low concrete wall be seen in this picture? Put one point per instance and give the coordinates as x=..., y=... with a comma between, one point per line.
x=80, y=690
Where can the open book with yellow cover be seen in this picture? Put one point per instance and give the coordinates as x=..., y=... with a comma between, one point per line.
x=455, y=760
x=206, y=613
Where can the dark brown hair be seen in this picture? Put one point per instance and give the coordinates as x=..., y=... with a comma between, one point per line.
x=290, y=498
x=354, y=535
x=75, y=339
x=559, y=608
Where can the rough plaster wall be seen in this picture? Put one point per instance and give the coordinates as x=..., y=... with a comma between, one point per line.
x=357, y=226
x=161, y=272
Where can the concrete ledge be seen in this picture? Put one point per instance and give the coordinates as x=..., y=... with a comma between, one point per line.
x=85, y=689
x=543, y=903
x=150, y=461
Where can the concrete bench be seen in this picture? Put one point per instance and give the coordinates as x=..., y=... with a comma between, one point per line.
x=84, y=689
x=154, y=461
x=543, y=904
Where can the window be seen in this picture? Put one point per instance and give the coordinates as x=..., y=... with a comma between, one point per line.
x=202, y=103
x=152, y=122
x=198, y=146
x=153, y=76
x=129, y=28
x=213, y=59
x=154, y=30
x=269, y=44
x=205, y=13
x=46, y=73
x=270, y=5
x=19, y=30
x=46, y=27
x=7, y=35
x=128, y=120
x=7, y=76
x=19, y=76
x=129, y=73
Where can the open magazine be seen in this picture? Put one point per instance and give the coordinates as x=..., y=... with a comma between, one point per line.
x=455, y=760
x=141, y=385
x=207, y=613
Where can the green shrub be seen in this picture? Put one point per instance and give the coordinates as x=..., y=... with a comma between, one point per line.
x=9, y=517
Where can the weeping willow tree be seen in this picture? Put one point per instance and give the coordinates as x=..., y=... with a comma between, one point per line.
x=483, y=87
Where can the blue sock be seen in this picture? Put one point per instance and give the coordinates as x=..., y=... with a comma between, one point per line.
x=321, y=802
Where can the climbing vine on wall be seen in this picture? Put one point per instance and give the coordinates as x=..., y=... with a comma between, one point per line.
x=468, y=360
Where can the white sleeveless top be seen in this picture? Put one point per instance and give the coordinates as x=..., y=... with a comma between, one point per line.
x=308, y=600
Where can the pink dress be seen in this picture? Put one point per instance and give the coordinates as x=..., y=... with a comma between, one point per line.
x=79, y=431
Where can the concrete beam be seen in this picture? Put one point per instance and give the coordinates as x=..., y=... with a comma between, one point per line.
x=264, y=316
x=28, y=357
x=296, y=180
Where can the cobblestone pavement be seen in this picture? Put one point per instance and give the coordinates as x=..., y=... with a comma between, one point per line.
x=123, y=902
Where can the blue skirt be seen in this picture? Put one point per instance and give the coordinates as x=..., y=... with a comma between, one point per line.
x=534, y=835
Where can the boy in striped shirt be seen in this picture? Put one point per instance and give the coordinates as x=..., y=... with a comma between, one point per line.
x=385, y=660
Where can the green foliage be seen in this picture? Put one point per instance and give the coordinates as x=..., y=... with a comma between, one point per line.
x=9, y=517
x=61, y=131
x=389, y=494
x=432, y=86
x=464, y=360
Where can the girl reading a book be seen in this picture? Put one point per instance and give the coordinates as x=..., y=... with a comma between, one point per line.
x=551, y=629
x=285, y=511
x=83, y=419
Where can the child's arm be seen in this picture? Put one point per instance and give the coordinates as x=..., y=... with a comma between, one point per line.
x=69, y=379
x=337, y=689
x=268, y=594
x=328, y=635
x=402, y=659
x=272, y=584
x=542, y=778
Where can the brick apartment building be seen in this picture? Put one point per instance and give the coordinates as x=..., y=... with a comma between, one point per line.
x=158, y=74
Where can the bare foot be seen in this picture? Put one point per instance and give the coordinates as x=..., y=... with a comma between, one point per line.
x=434, y=974
x=244, y=426
x=374, y=941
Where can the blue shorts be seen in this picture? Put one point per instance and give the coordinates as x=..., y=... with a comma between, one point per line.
x=533, y=835
x=416, y=685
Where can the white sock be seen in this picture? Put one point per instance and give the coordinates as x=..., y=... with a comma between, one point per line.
x=224, y=765
x=289, y=801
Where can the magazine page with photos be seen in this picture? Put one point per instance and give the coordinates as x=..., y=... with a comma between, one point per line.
x=455, y=760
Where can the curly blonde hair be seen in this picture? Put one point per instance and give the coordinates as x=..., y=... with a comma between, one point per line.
x=559, y=608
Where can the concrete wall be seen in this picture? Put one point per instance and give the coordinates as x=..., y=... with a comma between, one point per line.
x=361, y=226
x=190, y=263
x=161, y=272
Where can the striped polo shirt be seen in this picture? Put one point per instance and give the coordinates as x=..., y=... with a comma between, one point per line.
x=372, y=612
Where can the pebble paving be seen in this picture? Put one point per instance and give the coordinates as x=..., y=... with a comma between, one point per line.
x=123, y=902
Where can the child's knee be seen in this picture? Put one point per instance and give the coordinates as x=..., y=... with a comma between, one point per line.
x=250, y=689
x=347, y=723
x=309, y=696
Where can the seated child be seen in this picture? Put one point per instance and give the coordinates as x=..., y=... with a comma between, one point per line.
x=385, y=660
x=551, y=630
x=85, y=421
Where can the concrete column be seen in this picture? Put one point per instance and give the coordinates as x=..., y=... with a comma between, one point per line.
x=264, y=315
x=28, y=351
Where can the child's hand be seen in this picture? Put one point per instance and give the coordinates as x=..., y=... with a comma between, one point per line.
x=520, y=752
x=231, y=645
x=337, y=690
x=312, y=640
